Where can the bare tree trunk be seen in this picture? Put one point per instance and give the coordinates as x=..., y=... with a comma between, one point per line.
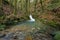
x=26, y=7
x=35, y=11
x=21, y=4
x=0, y=3
x=42, y=9
x=15, y=6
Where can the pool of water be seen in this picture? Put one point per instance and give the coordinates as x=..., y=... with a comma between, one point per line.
x=30, y=25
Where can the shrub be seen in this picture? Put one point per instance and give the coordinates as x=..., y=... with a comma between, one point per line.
x=2, y=27
x=57, y=36
x=52, y=23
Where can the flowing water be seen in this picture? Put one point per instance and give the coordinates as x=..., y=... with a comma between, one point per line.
x=25, y=27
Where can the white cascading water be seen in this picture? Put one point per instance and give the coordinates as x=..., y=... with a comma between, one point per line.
x=31, y=19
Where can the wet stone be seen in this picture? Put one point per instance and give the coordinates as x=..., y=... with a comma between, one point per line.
x=41, y=36
x=2, y=35
x=19, y=35
x=8, y=36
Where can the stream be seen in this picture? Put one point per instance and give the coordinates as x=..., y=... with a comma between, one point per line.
x=21, y=30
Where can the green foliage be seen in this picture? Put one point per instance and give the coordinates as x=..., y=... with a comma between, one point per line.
x=57, y=36
x=25, y=7
x=42, y=20
x=2, y=27
x=53, y=4
x=1, y=12
x=52, y=23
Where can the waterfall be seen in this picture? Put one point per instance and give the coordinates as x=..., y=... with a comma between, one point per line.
x=31, y=18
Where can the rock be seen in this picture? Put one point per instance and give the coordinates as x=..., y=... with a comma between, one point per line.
x=18, y=35
x=21, y=35
x=8, y=36
x=15, y=37
x=2, y=35
x=41, y=36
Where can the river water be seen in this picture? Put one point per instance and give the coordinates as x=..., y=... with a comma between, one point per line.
x=23, y=29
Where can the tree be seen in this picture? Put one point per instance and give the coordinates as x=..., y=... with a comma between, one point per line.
x=53, y=4
x=41, y=5
x=15, y=6
x=0, y=3
x=35, y=6
x=26, y=6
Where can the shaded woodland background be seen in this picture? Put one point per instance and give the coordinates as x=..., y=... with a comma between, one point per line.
x=15, y=11
x=12, y=11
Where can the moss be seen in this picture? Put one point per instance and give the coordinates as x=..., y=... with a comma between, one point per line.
x=57, y=36
x=2, y=27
